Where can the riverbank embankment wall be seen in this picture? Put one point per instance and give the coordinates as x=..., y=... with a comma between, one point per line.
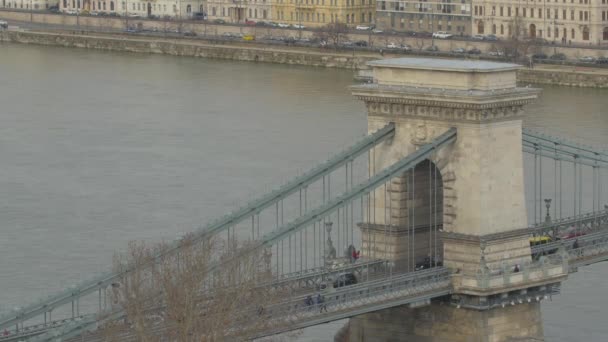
x=567, y=76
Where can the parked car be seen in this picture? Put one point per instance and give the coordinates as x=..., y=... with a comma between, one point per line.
x=602, y=60
x=273, y=24
x=377, y=31
x=478, y=37
x=299, y=27
x=442, y=35
x=261, y=23
x=363, y=28
x=539, y=55
x=458, y=50
x=283, y=25
x=491, y=38
x=558, y=57
x=248, y=37
x=190, y=34
x=361, y=43
x=405, y=47
x=3, y=24
x=199, y=16
x=496, y=53
x=391, y=46
x=219, y=21
x=432, y=48
x=474, y=51
x=587, y=59
x=345, y=279
x=249, y=22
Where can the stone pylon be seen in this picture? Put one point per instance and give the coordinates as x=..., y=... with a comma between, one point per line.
x=471, y=192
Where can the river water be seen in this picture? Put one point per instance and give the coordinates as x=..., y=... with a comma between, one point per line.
x=97, y=149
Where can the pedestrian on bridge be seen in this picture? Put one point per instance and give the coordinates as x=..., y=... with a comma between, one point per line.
x=321, y=303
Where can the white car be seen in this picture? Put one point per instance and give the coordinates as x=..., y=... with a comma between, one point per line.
x=71, y=11
x=391, y=46
x=377, y=31
x=362, y=28
x=587, y=59
x=283, y=25
x=441, y=35
x=298, y=26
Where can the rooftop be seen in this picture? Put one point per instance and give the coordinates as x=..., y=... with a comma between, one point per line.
x=443, y=64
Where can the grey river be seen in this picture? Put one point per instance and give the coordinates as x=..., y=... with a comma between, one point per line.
x=97, y=149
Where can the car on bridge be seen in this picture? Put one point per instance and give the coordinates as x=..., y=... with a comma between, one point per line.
x=344, y=279
x=540, y=241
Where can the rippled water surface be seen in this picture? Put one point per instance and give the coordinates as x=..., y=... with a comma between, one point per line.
x=97, y=149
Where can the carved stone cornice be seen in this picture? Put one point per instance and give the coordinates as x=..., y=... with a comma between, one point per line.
x=445, y=105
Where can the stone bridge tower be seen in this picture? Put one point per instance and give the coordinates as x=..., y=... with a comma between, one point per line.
x=482, y=205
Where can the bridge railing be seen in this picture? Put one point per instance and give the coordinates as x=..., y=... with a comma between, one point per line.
x=490, y=280
x=353, y=300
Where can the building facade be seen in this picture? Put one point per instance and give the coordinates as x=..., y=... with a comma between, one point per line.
x=317, y=13
x=560, y=21
x=239, y=11
x=27, y=4
x=425, y=16
x=183, y=9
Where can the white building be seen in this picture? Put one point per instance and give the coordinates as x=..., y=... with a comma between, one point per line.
x=27, y=4
x=561, y=21
x=238, y=11
x=184, y=9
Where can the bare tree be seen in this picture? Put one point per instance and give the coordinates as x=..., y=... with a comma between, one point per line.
x=333, y=32
x=185, y=296
x=517, y=46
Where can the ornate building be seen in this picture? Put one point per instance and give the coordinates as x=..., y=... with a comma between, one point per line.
x=184, y=9
x=239, y=11
x=316, y=13
x=27, y=4
x=425, y=16
x=562, y=21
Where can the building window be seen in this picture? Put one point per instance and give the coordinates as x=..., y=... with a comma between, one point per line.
x=540, y=13
x=605, y=33
x=502, y=29
x=524, y=12
x=572, y=15
x=501, y=11
x=264, y=14
x=111, y=5
x=494, y=29
x=213, y=11
x=572, y=34
x=508, y=11
x=585, y=33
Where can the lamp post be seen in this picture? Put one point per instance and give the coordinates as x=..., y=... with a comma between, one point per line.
x=548, y=205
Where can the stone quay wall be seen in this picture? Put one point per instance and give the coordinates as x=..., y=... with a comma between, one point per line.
x=564, y=77
x=190, y=48
x=567, y=76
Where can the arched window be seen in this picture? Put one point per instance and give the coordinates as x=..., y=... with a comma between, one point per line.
x=532, y=33
x=369, y=15
x=264, y=14
x=65, y=3
x=502, y=29
x=493, y=28
x=189, y=9
x=480, y=27
x=585, y=33
x=111, y=5
x=347, y=21
x=572, y=34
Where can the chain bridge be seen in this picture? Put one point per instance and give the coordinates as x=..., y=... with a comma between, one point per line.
x=456, y=209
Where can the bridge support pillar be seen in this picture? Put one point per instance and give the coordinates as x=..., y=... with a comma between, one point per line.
x=464, y=204
x=439, y=322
